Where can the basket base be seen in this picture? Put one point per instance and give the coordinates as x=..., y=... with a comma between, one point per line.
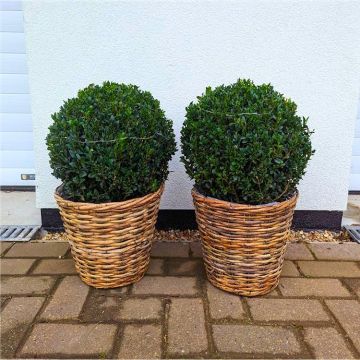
x=111, y=284
x=240, y=289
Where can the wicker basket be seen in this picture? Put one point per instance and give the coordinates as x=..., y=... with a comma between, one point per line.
x=110, y=242
x=243, y=245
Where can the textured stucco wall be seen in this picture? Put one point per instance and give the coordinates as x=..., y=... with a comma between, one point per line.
x=309, y=50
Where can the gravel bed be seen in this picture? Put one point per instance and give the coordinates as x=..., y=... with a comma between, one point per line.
x=193, y=235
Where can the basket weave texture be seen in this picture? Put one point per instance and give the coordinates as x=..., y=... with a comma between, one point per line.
x=110, y=242
x=243, y=245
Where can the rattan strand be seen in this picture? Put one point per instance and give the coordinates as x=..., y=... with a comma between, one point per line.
x=110, y=242
x=243, y=245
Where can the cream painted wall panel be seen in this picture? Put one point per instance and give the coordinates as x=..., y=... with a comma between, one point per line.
x=15, y=103
x=10, y=5
x=14, y=84
x=10, y=176
x=15, y=122
x=17, y=159
x=11, y=42
x=16, y=141
x=13, y=64
x=11, y=21
x=309, y=50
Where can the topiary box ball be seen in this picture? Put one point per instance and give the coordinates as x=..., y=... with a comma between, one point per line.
x=112, y=142
x=245, y=143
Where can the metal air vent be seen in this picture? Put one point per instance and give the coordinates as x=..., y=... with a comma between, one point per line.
x=18, y=232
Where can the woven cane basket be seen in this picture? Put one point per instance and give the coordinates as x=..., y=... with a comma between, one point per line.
x=243, y=245
x=110, y=242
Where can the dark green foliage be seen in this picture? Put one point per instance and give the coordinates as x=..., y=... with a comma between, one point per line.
x=110, y=143
x=244, y=143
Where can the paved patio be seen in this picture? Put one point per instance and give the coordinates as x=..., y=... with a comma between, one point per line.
x=173, y=312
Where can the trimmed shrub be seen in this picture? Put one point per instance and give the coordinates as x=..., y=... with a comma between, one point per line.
x=245, y=143
x=111, y=142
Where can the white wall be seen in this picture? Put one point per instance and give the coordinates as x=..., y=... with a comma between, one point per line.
x=309, y=50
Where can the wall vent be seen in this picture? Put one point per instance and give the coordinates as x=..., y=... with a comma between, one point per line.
x=354, y=232
x=18, y=232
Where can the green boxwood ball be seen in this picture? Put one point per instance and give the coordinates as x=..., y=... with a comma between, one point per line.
x=245, y=143
x=112, y=142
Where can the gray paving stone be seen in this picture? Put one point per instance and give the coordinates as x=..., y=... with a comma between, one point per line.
x=196, y=249
x=300, y=287
x=140, y=309
x=4, y=246
x=101, y=308
x=170, y=249
x=287, y=310
x=347, y=313
x=289, y=269
x=70, y=340
x=330, y=251
x=55, y=266
x=15, y=320
x=330, y=269
x=156, y=267
x=169, y=285
x=67, y=301
x=15, y=266
x=298, y=251
x=254, y=339
x=187, y=333
x=185, y=267
x=26, y=285
x=36, y=250
x=327, y=343
x=140, y=342
x=224, y=305
x=354, y=285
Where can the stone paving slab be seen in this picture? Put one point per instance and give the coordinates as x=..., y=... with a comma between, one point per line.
x=327, y=343
x=354, y=285
x=15, y=266
x=302, y=287
x=255, y=339
x=70, y=339
x=55, y=266
x=4, y=245
x=329, y=269
x=169, y=285
x=15, y=319
x=294, y=310
x=174, y=312
x=26, y=285
x=329, y=251
x=187, y=332
x=141, y=342
x=38, y=250
x=347, y=312
x=298, y=251
x=67, y=301
x=224, y=305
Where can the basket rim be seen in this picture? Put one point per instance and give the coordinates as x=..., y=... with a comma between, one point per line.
x=156, y=193
x=228, y=204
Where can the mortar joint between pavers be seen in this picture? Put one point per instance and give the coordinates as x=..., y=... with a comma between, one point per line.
x=311, y=252
x=119, y=334
x=208, y=321
x=341, y=330
x=299, y=269
x=33, y=267
x=165, y=327
x=6, y=250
